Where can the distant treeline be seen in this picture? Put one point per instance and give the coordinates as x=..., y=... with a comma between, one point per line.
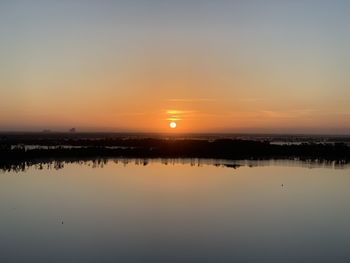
x=14, y=149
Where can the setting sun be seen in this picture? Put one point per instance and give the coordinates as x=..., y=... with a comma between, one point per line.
x=172, y=125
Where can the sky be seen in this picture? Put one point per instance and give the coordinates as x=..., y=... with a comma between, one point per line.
x=211, y=66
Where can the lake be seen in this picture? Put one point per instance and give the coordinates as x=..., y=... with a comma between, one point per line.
x=176, y=211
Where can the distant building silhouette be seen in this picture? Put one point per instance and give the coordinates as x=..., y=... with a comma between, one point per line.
x=72, y=130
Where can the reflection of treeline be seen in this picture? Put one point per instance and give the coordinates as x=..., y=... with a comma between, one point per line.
x=56, y=164
x=161, y=148
x=50, y=164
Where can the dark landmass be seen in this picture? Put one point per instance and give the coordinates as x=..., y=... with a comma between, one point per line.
x=53, y=137
x=17, y=148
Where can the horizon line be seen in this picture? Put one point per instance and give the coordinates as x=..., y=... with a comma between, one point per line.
x=170, y=133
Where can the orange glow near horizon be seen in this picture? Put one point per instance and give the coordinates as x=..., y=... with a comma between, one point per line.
x=207, y=100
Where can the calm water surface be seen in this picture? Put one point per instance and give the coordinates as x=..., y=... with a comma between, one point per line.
x=176, y=213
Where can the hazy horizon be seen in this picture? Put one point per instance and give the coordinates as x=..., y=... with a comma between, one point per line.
x=175, y=133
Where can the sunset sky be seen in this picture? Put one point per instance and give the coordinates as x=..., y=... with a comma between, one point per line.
x=210, y=66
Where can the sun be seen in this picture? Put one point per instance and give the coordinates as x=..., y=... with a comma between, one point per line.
x=172, y=125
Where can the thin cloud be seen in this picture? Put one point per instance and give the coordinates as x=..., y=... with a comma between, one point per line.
x=297, y=113
x=173, y=119
x=179, y=112
x=131, y=113
x=177, y=115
